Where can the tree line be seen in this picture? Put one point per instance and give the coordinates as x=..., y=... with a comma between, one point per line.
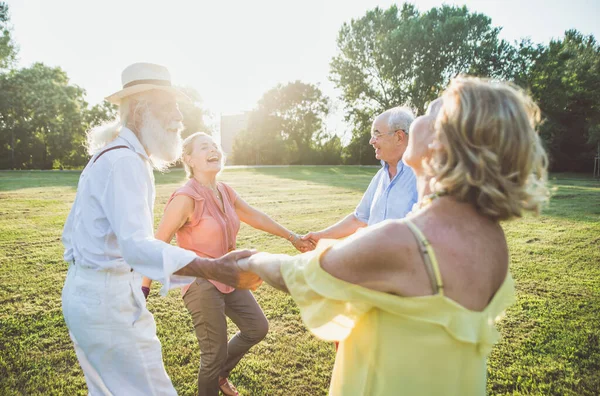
x=387, y=57
x=44, y=117
x=400, y=56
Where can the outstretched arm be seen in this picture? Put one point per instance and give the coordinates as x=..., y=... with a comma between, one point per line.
x=268, y=267
x=343, y=228
x=369, y=259
x=261, y=221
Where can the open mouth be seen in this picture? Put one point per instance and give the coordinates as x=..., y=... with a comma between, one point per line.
x=172, y=130
x=213, y=158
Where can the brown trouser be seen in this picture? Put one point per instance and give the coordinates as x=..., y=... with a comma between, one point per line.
x=208, y=307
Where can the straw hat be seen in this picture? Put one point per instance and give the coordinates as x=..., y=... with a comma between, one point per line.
x=141, y=77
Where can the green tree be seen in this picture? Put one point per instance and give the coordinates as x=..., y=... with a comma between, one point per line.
x=521, y=59
x=42, y=118
x=8, y=49
x=194, y=115
x=283, y=127
x=565, y=81
x=92, y=116
x=328, y=150
x=262, y=142
x=401, y=56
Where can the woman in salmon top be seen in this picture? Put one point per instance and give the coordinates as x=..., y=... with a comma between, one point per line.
x=413, y=301
x=205, y=215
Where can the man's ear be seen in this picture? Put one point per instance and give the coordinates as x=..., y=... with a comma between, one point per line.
x=401, y=136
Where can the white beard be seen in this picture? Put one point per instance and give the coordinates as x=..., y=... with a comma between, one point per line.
x=164, y=147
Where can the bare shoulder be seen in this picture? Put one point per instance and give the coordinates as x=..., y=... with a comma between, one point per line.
x=371, y=257
x=181, y=204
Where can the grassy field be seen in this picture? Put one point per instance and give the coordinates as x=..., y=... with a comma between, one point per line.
x=551, y=336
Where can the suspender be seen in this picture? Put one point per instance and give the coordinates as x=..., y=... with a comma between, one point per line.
x=107, y=150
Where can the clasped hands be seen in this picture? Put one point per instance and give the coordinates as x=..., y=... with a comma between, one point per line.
x=267, y=266
x=307, y=242
x=246, y=269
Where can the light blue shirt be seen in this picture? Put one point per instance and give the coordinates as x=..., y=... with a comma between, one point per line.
x=388, y=199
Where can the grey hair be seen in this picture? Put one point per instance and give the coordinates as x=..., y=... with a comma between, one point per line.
x=99, y=136
x=400, y=118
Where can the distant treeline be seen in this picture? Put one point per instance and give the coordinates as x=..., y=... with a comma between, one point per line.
x=405, y=57
x=386, y=58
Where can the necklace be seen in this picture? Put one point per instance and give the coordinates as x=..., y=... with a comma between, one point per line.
x=428, y=199
x=214, y=190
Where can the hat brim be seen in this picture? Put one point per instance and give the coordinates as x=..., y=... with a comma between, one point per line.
x=136, y=89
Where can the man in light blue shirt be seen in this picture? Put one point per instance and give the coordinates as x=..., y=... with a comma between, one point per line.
x=393, y=190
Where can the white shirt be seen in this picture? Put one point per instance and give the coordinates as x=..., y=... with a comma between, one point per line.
x=110, y=226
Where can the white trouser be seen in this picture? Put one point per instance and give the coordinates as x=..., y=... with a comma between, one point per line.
x=113, y=333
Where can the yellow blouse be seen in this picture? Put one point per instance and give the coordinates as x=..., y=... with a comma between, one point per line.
x=392, y=345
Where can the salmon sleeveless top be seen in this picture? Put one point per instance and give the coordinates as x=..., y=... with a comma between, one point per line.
x=211, y=231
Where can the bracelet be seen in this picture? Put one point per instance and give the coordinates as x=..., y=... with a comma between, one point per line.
x=292, y=236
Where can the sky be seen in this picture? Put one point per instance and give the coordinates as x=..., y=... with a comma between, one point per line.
x=232, y=52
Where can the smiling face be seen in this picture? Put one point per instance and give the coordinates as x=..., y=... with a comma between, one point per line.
x=389, y=135
x=156, y=118
x=422, y=133
x=202, y=155
x=382, y=138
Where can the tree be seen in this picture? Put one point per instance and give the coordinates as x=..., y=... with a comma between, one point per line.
x=193, y=113
x=42, y=118
x=8, y=49
x=328, y=150
x=282, y=128
x=393, y=57
x=565, y=81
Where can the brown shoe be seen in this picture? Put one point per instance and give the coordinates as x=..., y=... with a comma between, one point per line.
x=227, y=387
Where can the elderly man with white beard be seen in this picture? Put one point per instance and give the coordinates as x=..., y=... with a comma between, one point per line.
x=109, y=242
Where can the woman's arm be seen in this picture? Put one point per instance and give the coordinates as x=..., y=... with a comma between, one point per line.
x=370, y=259
x=176, y=214
x=269, y=265
x=261, y=221
x=347, y=226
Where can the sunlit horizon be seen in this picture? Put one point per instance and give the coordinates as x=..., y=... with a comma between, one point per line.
x=232, y=53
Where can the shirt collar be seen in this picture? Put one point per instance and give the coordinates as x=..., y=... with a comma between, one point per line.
x=399, y=168
x=131, y=138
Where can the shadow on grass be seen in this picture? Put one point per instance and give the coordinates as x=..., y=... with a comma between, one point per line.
x=18, y=180
x=355, y=178
x=575, y=197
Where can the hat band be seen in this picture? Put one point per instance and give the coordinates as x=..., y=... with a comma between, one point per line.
x=153, y=82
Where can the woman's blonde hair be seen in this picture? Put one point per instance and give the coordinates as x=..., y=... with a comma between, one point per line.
x=188, y=148
x=490, y=154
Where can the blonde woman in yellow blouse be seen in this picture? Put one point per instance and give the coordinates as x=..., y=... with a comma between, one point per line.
x=413, y=302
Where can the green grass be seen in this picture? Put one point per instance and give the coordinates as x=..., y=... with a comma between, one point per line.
x=551, y=336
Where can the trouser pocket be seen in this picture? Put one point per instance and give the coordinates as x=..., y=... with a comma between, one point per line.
x=139, y=302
